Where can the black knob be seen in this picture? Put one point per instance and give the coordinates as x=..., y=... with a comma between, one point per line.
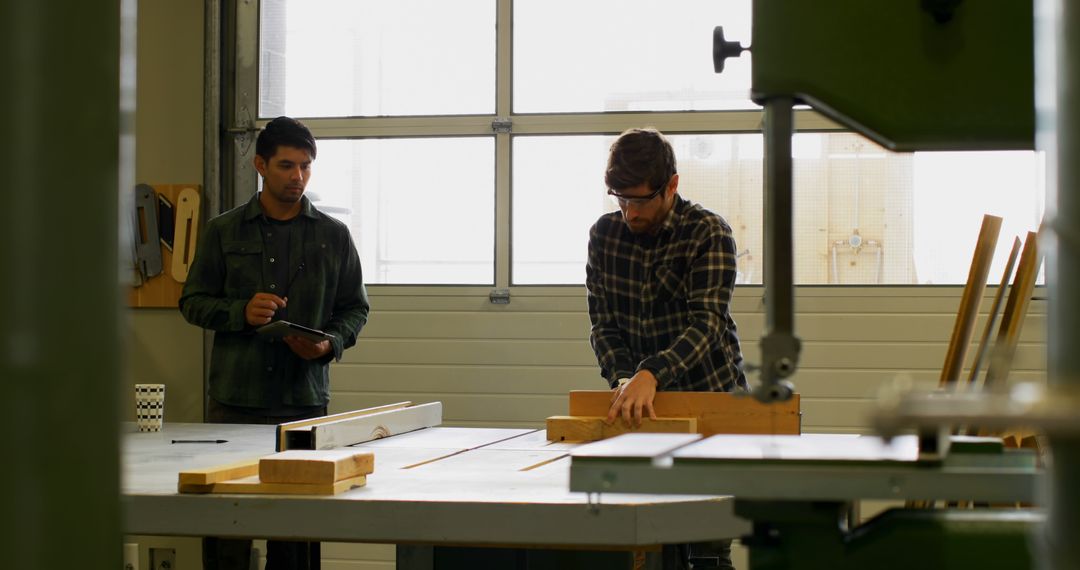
x=722, y=49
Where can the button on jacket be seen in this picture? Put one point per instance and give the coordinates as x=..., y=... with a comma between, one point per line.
x=325, y=291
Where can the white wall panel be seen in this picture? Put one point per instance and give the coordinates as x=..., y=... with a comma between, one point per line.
x=514, y=364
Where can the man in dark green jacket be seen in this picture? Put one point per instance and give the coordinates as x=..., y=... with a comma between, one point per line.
x=274, y=258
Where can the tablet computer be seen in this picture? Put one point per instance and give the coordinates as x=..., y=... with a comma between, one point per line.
x=279, y=329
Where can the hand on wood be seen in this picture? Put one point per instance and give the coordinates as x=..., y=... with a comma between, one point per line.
x=307, y=349
x=634, y=399
x=261, y=308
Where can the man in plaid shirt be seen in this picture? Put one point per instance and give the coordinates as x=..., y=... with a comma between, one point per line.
x=659, y=278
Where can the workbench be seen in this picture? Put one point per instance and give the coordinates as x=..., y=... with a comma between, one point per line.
x=434, y=486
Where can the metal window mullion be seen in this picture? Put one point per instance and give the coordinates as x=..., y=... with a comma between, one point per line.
x=666, y=121
x=503, y=89
x=390, y=127
x=241, y=101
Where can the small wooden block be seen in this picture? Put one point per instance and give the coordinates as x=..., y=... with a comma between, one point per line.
x=577, y=428
x=252, y=486
x=315, y=466
x=218, y=473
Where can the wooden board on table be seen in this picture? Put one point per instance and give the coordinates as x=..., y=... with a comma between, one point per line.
x=163, y=290
x=351, y=431
x=306, y=424
x=253, y=486
x=583, y=428
x=218, y=473
x=315, y=466
x=716, y=412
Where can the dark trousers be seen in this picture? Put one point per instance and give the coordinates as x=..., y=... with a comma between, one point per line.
x=697, y=555
x=235, y=554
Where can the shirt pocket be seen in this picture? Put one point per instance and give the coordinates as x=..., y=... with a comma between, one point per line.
x=669, y=284
x=243, y=268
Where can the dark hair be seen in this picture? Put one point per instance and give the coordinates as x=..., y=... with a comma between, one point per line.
x=640, y=156
x=284, y=131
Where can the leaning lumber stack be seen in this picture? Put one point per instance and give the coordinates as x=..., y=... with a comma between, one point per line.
x=294, y=472
x=707, y=413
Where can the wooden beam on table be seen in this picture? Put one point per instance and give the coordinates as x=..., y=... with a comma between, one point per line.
x=351, y=431
x=253, y=486
x=217, y=473
x=315, y=466
x=715, y=412
x=581, y=428
x=282, y=429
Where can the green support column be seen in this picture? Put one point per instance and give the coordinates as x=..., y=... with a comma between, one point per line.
x=59, y=293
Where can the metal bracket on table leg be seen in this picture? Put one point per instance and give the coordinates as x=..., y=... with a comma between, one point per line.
x=593, y=506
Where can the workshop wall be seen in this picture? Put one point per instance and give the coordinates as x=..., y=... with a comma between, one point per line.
x=512, y=365
x=162, y=347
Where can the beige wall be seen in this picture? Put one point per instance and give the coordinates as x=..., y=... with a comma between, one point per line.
x=169, y=145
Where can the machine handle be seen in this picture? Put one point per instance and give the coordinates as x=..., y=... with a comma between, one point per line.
x=722, y=49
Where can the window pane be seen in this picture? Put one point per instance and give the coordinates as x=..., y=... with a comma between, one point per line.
x=863, y=215
x=627, y=55
x=553, y=210
x=333, y=58
x=420, y=210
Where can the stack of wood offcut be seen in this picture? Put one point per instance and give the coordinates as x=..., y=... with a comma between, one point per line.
x=706, y=413
x=293, y=472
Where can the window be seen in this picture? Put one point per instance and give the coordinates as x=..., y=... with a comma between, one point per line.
x=863, y=215
x=421, y=210
x=404, y=94
x=342, y=58
x=626, y=55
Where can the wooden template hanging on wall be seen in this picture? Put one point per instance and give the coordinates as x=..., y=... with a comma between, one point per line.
x=177, y=212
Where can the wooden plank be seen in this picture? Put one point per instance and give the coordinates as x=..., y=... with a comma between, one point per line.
x=302, y=424
x=252, y=486
x=984, y=340
x=588, y=428
x=217, y=473
x=351, y=431
x=969, y=301
x=186, y=233
x=315, y=466
x=1012, y=319
x=716, y=412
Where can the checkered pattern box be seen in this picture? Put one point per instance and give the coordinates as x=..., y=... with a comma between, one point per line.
x=149, y=406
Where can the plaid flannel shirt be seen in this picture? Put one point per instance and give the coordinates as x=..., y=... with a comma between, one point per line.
x=232, y=263
x=660, y=303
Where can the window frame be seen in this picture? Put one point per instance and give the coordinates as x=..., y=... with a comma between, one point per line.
x=242, y=124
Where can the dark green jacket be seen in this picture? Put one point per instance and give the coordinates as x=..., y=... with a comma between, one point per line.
x=328, y=294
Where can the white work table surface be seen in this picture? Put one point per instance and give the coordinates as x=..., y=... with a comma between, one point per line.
x=440, y=485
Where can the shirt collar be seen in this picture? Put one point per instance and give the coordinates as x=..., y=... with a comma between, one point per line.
x=254, y=209
x=673, y=216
